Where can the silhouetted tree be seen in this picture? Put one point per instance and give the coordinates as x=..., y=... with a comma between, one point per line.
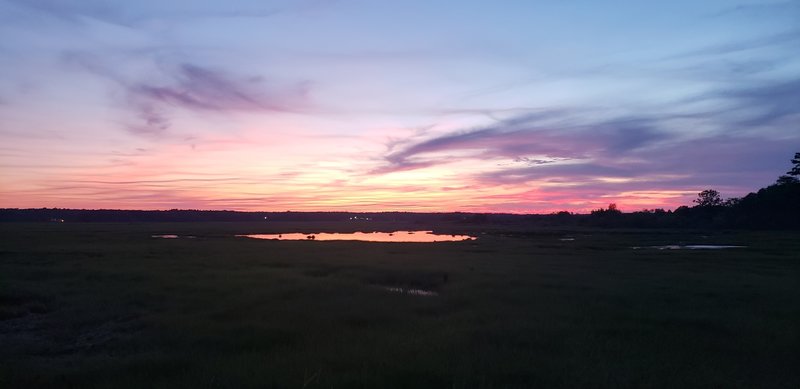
x=611, y=210
x=787, y=180
x=795, y=171
x=606, y=217
x=708, y=198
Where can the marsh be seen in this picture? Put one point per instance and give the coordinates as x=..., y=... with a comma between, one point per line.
x=101, y=305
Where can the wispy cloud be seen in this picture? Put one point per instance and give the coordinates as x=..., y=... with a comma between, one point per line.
x=197, y=88
x=130, y=15
x=193, y=87
x=766, y=103
x=784, y=38
x=764, y=8
x=530, y=135
x=712, y=160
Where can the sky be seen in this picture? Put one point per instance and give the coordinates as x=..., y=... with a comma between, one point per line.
x=314, y=105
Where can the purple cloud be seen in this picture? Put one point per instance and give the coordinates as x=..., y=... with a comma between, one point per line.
x=519, y=138
x=194, y=88
x=132, y=15
x=719, y=160
x=197, y=88
x=770, y=103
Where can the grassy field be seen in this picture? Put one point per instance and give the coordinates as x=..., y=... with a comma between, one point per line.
x=106, y=305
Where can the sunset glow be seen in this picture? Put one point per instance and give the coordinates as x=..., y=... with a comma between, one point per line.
x=393, y=106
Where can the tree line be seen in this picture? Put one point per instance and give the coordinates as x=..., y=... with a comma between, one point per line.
x=775, y=207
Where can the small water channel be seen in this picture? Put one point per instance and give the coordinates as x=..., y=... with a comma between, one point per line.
x=396, y=236
x=690, y=247
x=411, y=291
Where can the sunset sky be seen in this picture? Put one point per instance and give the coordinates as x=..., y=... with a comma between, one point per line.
x=501, y=106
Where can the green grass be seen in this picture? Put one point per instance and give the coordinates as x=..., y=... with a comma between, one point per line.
x=105, y=305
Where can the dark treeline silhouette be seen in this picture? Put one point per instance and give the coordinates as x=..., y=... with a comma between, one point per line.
x=775, y=207
x=191, y=215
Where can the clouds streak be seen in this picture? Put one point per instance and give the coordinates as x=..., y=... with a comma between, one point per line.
x=191, y=87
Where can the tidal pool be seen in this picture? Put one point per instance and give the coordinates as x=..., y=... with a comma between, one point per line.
x=397, y=236
x=690, y=247
x=409, y=291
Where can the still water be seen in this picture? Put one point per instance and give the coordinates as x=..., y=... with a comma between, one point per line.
x=690, y=247
x=411, y=291
x=397, y=236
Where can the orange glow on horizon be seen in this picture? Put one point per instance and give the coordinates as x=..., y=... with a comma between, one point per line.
x=253, y=172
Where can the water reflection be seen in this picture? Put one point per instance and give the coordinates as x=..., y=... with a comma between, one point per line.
x=165, y=236
x=397, y=236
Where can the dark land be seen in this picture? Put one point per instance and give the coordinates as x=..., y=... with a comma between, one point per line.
x=106, y=305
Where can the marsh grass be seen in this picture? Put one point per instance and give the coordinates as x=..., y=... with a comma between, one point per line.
x=105, y=305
